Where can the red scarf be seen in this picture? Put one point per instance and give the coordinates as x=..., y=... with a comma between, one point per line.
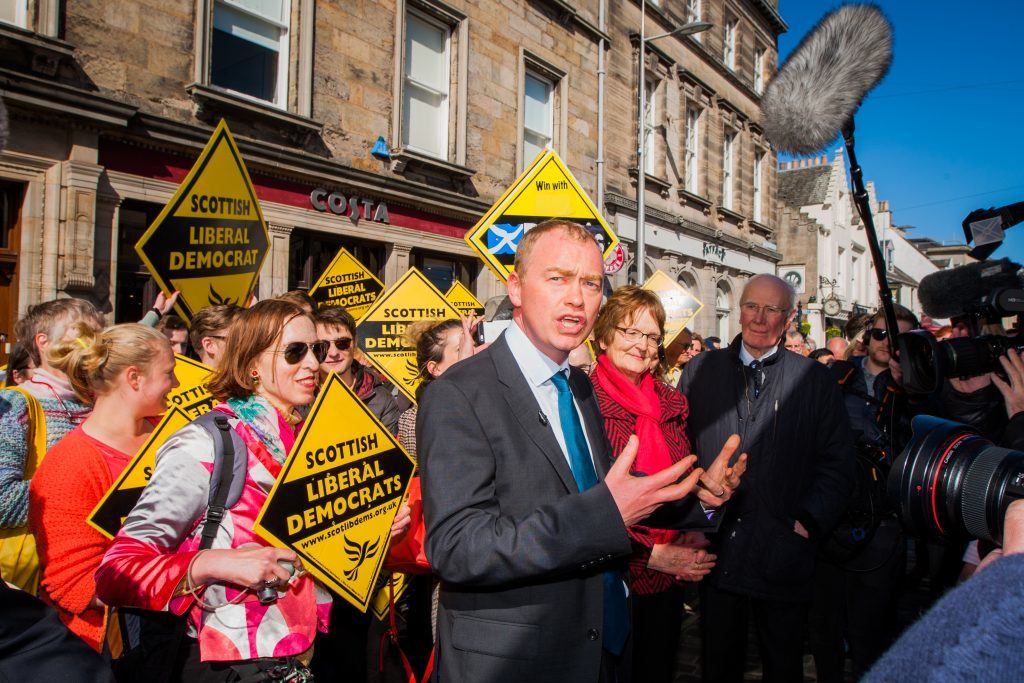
x=642, y=401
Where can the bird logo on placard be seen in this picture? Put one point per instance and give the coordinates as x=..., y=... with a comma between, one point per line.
x=412, y=372
x=359, y=553
x=216, y=299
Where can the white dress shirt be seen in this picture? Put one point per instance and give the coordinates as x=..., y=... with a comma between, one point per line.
x=538, y=369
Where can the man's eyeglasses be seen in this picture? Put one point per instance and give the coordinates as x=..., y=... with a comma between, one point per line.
x=769, y=310
x=296, y=351
x=343, y=344
x=633, y=335
x=878, y=334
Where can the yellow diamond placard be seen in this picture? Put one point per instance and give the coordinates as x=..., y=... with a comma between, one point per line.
x=347, y=283
x=381, y=330
x=109, y=514
x=210, y=240
x=462, y=298
x=547, y=189
x=337, y=494
x=680, y=306
x=191, y=395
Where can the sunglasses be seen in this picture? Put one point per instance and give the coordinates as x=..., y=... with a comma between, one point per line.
x=343, y=344
x=296, y=351
x=878, y=334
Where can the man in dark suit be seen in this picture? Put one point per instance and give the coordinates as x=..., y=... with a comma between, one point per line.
x=788, y=411
x=524, y=516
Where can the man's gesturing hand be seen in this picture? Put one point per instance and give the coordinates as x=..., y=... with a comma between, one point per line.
x=638, y=497
x=720, y=480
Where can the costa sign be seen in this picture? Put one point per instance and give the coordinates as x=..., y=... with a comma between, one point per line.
x=349, y=205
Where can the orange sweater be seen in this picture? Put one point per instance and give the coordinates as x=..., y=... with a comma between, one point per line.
x=75, y=474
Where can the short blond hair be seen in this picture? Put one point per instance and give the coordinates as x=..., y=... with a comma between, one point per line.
x=43, y=318
x=570, y=229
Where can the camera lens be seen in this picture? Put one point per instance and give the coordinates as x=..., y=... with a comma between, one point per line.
x=926, y=362
x=950, y=482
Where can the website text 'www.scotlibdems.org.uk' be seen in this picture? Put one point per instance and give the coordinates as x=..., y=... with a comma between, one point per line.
x=345, y=526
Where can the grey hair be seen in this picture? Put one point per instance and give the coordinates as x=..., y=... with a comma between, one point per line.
x=778, y=281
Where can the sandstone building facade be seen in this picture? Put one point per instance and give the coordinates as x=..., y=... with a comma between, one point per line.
x=110, y=103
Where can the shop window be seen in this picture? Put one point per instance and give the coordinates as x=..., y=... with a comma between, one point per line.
x=11, y=197
x=444, y=269
x=311, y=253
x=136, y=289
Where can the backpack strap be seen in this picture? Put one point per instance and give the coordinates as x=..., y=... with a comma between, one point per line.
x=224, y=455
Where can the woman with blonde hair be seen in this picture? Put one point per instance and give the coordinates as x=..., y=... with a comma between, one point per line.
x=125, y=372
x=235, y=632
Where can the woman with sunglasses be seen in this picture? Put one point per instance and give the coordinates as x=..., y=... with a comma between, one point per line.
x=629, y=332
x=337, y=326
x=269, y=370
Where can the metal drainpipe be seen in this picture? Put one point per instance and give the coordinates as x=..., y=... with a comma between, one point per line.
x=600, y=106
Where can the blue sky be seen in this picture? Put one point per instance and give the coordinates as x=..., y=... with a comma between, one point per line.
x=941, y=134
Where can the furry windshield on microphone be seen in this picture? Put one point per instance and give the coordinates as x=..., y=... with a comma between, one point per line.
x=821, y=85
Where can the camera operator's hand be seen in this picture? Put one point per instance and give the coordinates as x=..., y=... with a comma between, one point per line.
x=896, y=372
x=970, y=384
x=1012, y=388
x=1013, y=534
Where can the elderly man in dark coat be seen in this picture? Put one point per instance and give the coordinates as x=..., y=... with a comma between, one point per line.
x=790, y=416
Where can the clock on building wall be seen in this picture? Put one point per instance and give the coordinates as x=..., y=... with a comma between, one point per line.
x=831, y=306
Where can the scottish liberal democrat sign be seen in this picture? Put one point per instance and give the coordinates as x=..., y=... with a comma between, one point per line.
x=210, y=241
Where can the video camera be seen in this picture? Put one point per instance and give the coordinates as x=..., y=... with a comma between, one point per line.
x=949, y=481
x=978, y=293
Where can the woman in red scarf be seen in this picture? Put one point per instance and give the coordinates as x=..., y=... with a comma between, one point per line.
x=629, y=334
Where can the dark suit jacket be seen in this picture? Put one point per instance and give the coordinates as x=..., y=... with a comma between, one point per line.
x=519, y=550
x=800, y=467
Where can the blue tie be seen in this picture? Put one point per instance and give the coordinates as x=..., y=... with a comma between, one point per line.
x=616, y=609
x=755, y=367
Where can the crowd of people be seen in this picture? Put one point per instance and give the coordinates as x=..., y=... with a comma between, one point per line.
x=584, y=486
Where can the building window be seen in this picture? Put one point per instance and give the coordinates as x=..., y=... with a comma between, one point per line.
x=758, y=167
x=759, y=71
x=14, y=12
x=729, y=50
x=538, y=115
x=426, y=85
x=723, y=306
x=692, y=150
x=727, y=169
x=650, y=119
x=693, y=14
x=249, y=48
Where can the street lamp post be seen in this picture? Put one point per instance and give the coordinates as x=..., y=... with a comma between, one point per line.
x=641, y=179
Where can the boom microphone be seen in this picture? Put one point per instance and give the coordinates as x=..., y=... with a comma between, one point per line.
x=821, y=85
x=949, y=293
